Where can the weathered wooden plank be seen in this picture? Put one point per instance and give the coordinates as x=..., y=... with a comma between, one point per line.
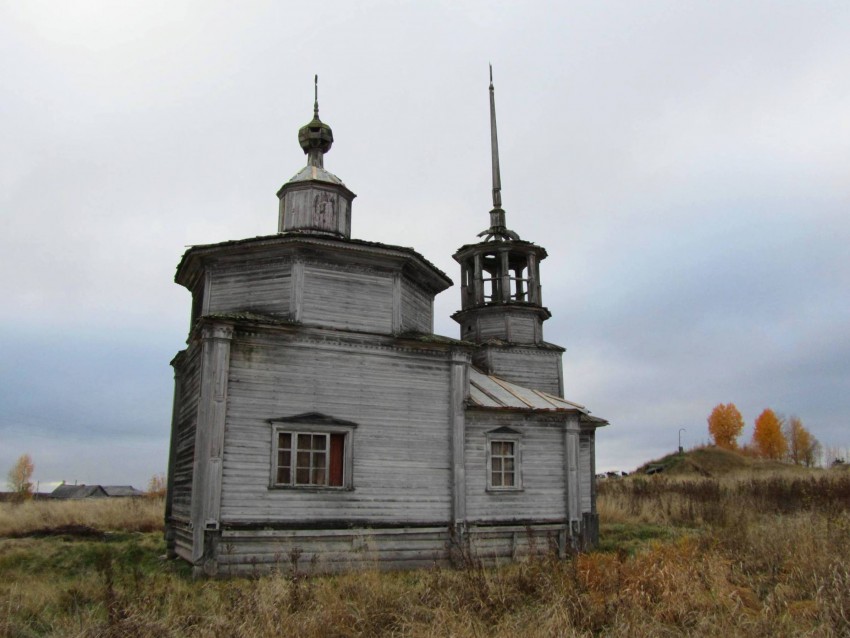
x=249, y=551
x=417, y=308
x=401, y=445
x=184, y=440
x=538, y=370
x=522, y=328
x=542, y=472
x=260, y=287
x=354, y=301
x=586, y=475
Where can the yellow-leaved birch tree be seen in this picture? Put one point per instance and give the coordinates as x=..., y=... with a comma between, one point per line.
x=768, y=438
x=724, y=425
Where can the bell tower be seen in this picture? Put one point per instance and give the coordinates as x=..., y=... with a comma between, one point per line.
x=315, y=201
x=501, y=297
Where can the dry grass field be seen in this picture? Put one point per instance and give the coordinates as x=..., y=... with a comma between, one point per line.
x=753, y=553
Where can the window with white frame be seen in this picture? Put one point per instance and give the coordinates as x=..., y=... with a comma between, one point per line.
x=311, y=454
x=503, y=460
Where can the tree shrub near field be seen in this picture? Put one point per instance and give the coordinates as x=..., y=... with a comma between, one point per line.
x=803, y=447
x=768, y=438
x=724, y=425
x=19, y=477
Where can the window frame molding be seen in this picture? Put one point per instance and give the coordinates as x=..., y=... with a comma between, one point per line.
x=313, y=423
x=506, y=435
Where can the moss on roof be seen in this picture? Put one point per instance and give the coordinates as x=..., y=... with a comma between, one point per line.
x=427, y=337
x=253, y=317
x=296, y=235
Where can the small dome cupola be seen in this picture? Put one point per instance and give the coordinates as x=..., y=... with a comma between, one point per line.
x=316, y=138
x=315, y=200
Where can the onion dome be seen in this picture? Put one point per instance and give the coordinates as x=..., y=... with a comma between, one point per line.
x=316, y=137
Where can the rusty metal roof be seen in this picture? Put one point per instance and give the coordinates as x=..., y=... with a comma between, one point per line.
x=487, y=391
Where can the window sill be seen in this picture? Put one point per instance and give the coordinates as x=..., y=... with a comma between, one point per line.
x=504, y=490
x=311, y=488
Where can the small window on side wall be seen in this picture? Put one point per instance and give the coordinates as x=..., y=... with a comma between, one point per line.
x=504, y=460
x=311, y=455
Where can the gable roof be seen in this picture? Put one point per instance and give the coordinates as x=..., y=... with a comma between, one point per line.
x=121, y=490
x=488, y=391
x=78, y=491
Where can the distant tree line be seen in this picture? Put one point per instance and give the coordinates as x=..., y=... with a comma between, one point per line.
x=774, y=437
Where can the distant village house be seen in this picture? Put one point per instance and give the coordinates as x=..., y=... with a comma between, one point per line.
x=65, y=492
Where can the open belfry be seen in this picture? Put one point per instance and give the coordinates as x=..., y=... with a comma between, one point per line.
x=319, y=424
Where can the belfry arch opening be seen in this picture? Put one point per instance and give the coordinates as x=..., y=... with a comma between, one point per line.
x=498, y=276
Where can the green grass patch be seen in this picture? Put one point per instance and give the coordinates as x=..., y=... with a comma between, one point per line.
x=631, y=538
x=67, y=557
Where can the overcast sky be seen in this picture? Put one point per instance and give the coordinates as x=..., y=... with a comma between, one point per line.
x=685, y=164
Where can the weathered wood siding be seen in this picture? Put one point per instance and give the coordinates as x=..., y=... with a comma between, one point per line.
x=315, y=208
x=495, y=545
x=327, y=551
x=492, y=326
x=513, y=328
x=261, y=287
x=585, y=464
x=537, y=369
x=522, y=328
x=417, y=308
x=543, y=482
x=324, y=551
x=184, y=453
x=349, y=300
x=401, y=451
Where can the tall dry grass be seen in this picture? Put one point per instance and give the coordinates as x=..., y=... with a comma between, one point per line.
x=717, y=502
x=775, y=562
x=107, y=514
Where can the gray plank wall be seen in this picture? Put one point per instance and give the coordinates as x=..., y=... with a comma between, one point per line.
x=242, y=551
x=543, y=480
x=401, y=445
x=538, y=369
x=368, y=299
x=257, y=286
x=341, y=299
x=585, y=472
x=314, y=551
x=187, y=414
x=512, y=327
x=523, y=329
x=417, y=308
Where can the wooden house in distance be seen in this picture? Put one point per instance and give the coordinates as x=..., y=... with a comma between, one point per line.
x=319, y=421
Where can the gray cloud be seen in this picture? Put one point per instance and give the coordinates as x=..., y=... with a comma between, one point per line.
x=685, y=165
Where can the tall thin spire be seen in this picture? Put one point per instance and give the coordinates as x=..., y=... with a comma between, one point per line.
x=494, y=147
x=316, y=96
x=497, y=230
